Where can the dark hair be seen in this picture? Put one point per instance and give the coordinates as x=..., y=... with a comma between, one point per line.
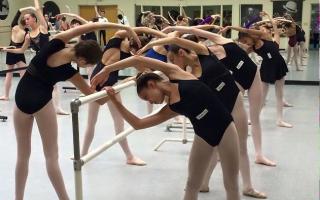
x=120, y=17
x=175, y=49
x=143, y=78
x=180, y=18
x=191, y=37
x=64, y=18
x=89, y=50
x=95, y=19
x=143, y=39
x=75, y=21
x=242, y=35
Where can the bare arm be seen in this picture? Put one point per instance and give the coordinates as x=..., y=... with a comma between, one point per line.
x=163, y=115
x=187, y=44
x=24, y=47
x=140, y=30
x=276, y=36
x=195, y=31
x=170, y=70
x=96, y=10
x=244, y=30
x=83, y=21
x=82, y=85
x=71, y=33
x=42, y=22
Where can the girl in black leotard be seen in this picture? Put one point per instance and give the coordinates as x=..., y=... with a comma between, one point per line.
x=210, y=70
x=34, y=93
x=190, y=97
x=17, y=38
x=273, y=68
x=118, y=48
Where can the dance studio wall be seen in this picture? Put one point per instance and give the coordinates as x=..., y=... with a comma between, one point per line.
x=128, y=7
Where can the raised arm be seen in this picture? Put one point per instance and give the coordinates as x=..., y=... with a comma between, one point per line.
x=96, y=10
x=42, y=21
x=218, y=39
x=71, y=33
x=82, y=20
x=187, y=44
x=245, y=30
x=170, y=70
x=137, y=123
x=276, y=36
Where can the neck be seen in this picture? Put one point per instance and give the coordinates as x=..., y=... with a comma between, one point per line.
x=166, y=87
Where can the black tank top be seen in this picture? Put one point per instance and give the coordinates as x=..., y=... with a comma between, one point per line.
x=269, y=51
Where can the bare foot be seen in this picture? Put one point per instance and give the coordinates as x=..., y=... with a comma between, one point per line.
x=204, y=189
x=249, y=122
x=59, y=111
x=4, y=98
x=286, y=104
x=284, y=124
x=265, y=161
x=136, y=161
x=299, y=70
x=254, y=194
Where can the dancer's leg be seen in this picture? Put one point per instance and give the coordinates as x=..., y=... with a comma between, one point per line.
x=279, y=85
x=7, y=84
x=47, y=123
x=23, y=129
x=119, y=127
x=93, y=111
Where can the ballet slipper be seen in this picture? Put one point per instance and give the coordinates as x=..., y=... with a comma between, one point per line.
x=265, y=161
x=136, y=161
x=284, y=124
x=299, y=69
x=59, y=111
x=254, y=194
x=4, y=98
x=286, y=104
x=204, y=189
x=249, y=122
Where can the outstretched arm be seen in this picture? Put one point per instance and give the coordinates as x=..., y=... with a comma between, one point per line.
x=218, y=39
x=83, y=21
x=170, y=70
x=140, y=30
x=245, y=30
x=187, y=44
x=71, y=33
x=163, y=115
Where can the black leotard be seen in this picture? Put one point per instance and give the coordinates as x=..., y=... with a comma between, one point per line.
x=242, y=67
x=201, y=105
x=273, y=66
x=113, y=76
x=219, y=79
x=13, y=58
x=35, y=88
x=39, y=41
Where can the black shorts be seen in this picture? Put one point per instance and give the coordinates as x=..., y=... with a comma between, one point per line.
x=14, y=58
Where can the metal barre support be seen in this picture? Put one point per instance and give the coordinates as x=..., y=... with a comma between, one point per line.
x=77, y=162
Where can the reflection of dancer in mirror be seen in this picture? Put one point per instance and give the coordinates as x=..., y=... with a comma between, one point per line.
x=101, y=18
x=18, y=34
x=187, y=96
x=273, y=68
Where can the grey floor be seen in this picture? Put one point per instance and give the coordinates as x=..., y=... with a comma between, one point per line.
x=295, y=150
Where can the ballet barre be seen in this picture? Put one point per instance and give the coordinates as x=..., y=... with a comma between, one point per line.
x=78, y=161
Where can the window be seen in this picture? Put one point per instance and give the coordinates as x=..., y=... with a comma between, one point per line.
x=227, y=18
x=154, y=9
x=193, y=11
x=174, y=12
